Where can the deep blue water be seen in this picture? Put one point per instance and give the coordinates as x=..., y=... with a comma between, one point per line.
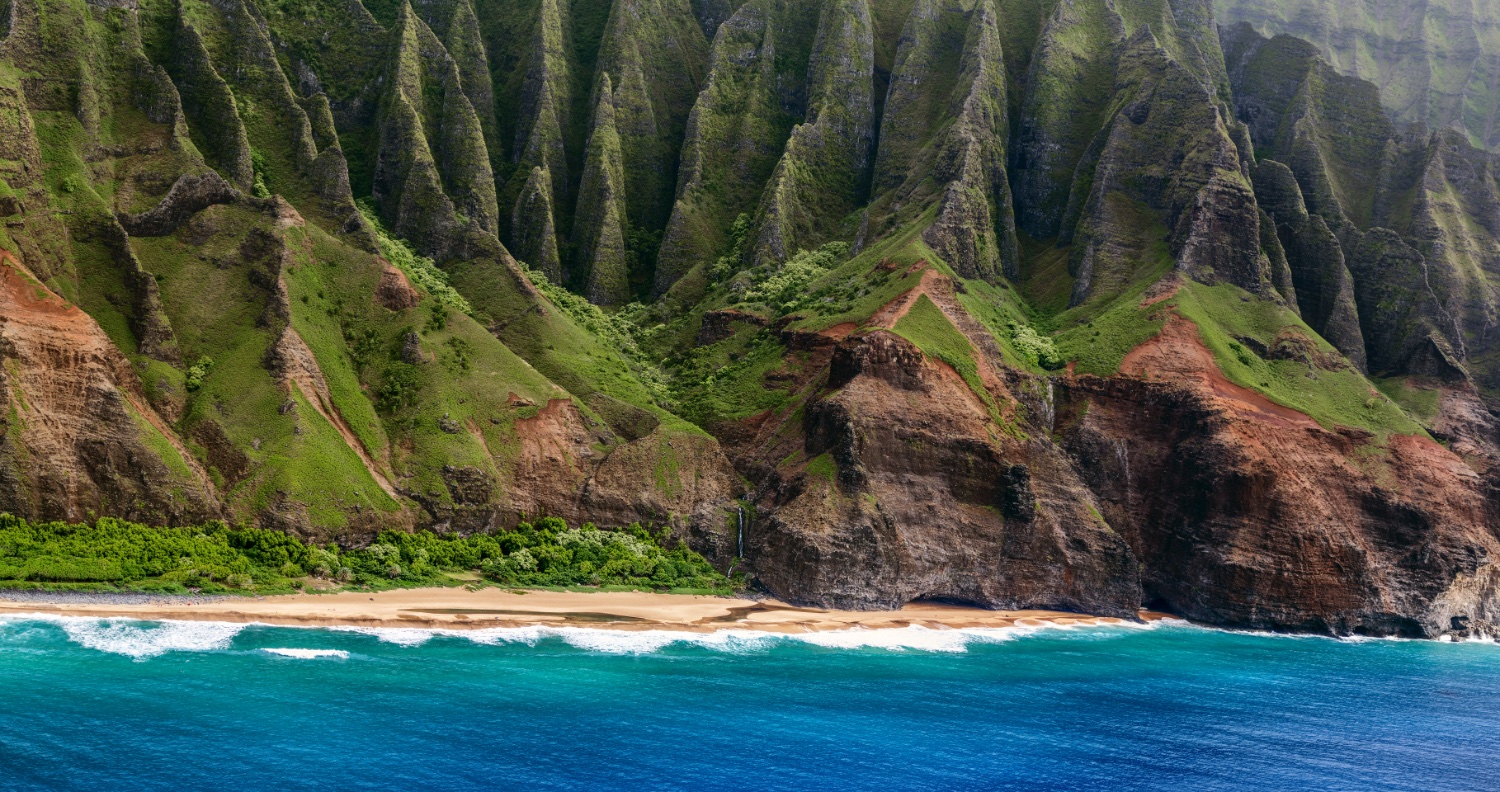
x=89, y=704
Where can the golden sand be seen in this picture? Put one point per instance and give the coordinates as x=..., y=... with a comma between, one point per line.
x=459, y=608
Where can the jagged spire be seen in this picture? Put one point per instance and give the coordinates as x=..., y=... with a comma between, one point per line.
x=407, y=186
x=533, y=232
x=1069, y=86
x=821, y=175
x=432, y=163
x=462, y=156
x=733, y=137
x=465, y=45
x=545, y=98
x=960, y=148
x=657, y=57
x=211, y=110
x=599, y=228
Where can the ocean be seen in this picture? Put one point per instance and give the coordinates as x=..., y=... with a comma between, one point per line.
x=127, y=705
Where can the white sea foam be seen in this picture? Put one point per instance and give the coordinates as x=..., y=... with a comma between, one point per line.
x=401, y=636
x=142, y=639
x=308, y=654
x=736, y=640
x=913, y=638
x=905, y=638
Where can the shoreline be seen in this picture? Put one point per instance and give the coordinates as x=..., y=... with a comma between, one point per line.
x=461, y=609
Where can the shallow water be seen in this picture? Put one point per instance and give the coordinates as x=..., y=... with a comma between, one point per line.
x=93, y=704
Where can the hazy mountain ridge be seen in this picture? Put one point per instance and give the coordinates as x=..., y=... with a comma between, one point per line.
x=1016, y=302
x=1435, y=62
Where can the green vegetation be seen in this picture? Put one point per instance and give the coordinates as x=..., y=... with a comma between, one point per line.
x=1419, y=399
x=615, y=331
x=727, y=381
x=1307, y=374
x=214, y=558
x=785, y=289
x=929, y=328
x=197, y=372
x=1037, y=349
x=1098, y=334
x=420, y=269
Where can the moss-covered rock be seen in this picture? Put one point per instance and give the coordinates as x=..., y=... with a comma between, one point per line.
x=1324, y=287
x=820, y=178
x=211, y=111
x=1070, y=85
x=658, y=59
x=738, y=129
x=545, y=102
x=599, y=230
x=433, y=169
x=534, y=234
x=1407, y=211
x=465, y=45
x=955, y=145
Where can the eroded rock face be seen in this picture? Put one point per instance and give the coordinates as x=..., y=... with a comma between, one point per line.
x=909, y=496
x=1246, y=513
x=77, y=435
x=676, y=481
x=1165, y=485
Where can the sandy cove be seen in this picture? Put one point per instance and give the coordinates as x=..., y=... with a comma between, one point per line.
x=458, y=608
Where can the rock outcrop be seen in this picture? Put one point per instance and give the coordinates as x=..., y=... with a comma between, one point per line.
x=77, y=434
x=1213, y=487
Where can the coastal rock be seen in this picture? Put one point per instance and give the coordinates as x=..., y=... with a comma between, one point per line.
x=1212, y=486
x=906, y=495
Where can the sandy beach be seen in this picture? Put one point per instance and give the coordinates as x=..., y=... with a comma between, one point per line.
x=459, y=608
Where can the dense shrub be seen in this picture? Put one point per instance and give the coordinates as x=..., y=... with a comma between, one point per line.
x=785, y=288
x=214, y=557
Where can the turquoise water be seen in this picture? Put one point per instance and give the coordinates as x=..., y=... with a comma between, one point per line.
x=91, y=704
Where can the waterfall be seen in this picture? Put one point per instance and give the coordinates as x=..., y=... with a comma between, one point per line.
x=740, y=538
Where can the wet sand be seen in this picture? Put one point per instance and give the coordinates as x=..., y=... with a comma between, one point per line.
x=458, y=608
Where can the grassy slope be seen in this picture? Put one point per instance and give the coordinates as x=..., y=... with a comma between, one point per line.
x=926, y=326
x=1333, y=398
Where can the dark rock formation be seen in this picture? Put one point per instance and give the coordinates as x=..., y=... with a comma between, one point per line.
x=917, y=501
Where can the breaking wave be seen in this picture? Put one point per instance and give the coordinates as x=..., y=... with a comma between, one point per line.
x=141, y=639
x=911, y=638
x=308, y=654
